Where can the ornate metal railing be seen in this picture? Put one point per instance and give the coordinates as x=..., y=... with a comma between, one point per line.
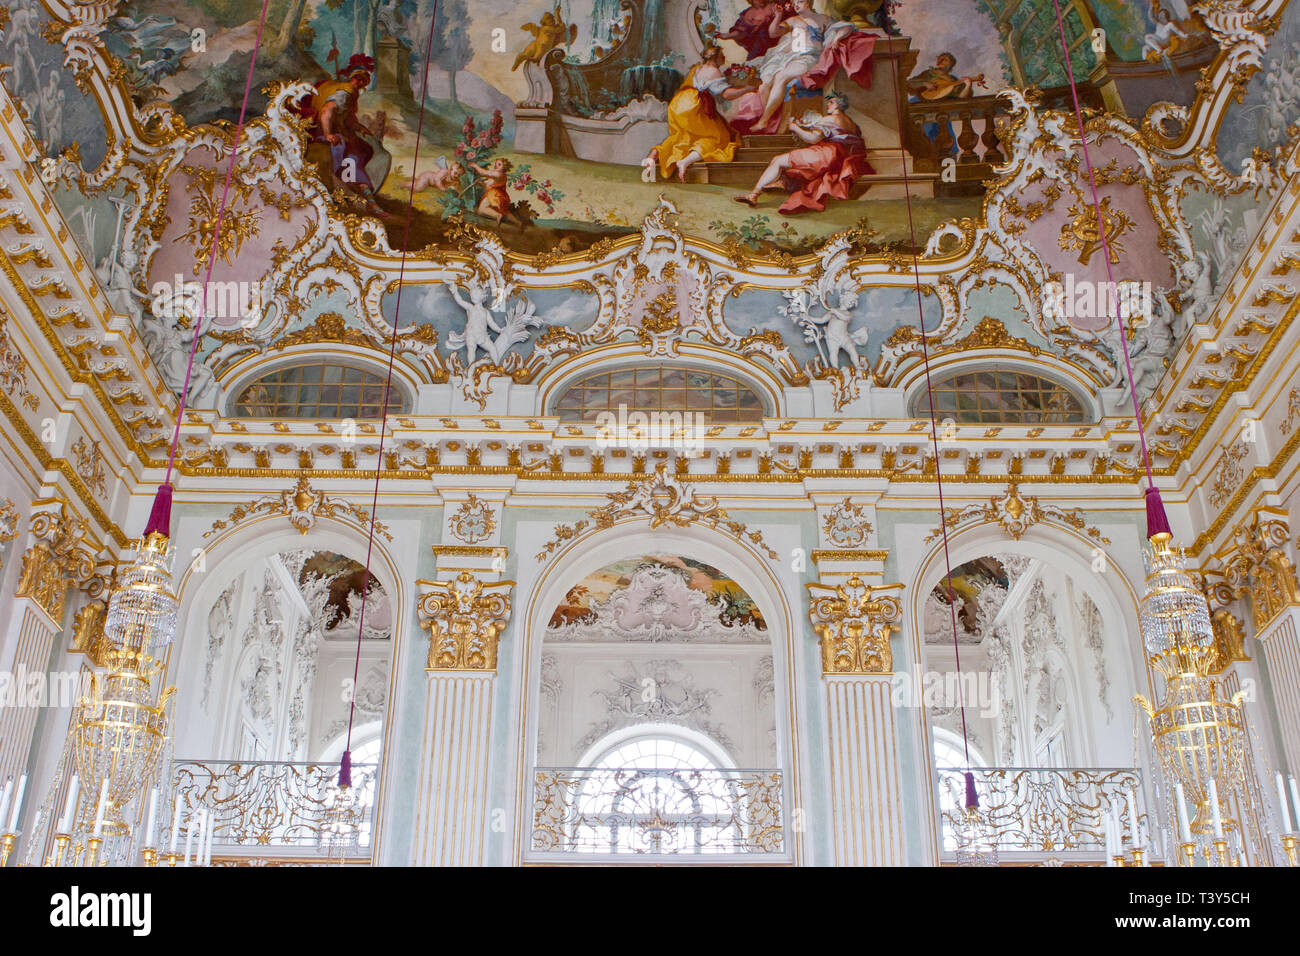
x=1055, y=810
x=657, y=811
x=268, y=805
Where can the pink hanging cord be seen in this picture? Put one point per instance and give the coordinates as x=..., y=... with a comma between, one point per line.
x=345, y=765
x=161, y=513
x=972, y=798
x=1157, y=521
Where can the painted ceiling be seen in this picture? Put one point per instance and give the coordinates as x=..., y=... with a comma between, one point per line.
x=541, y=210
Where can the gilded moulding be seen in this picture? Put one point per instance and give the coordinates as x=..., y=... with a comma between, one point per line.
x=664, y=500
x=1016, y=513
x=301, y=505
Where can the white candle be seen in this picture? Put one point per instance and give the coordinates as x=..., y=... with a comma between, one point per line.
x=1183, y=825
x=1119, y=830
x=65, y=825
x=99, y=810
x=1295, y=799
x=203, y=837
x=1133, y=817
x=207, y=853
x=176, y=824
x=189, y=839
x=153, y=815
x=4, y=797
x=1110, y=841
x=18, y=804
x=1281, y=802
x=1214, y=805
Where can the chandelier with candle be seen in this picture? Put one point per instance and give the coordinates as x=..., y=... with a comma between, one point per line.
x=1200, y=735
x=119, y=727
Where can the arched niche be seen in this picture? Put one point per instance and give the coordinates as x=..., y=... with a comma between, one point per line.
x=1102, y=730
x=314, y=677
x=753, y=573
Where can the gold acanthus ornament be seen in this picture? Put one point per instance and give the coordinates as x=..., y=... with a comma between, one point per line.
x=61, y=557
x=1256, y=566
x=465, y=617
x=665, y=500
x=1016, y=513
x=302, y=505
x=854, y=621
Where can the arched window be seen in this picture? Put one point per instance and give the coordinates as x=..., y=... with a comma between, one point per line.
x=317, y=390
x=656, y=794
x=721, y=399
x=950, y=766
x=1001, y=397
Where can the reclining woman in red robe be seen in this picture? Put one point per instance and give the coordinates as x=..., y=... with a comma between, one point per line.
x=836, y=155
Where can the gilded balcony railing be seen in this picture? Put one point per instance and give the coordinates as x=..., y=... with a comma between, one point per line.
x=643, y=810
x=266, y=806
x=1046, y=810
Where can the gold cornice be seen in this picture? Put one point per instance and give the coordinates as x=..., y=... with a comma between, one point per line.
x=1247, y=485
x=68, y=361
x=1235, y=384
x=847, y=554
x=64, y=468
x=469, y=551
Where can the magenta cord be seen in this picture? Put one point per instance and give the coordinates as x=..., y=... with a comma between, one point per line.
x=388, y=384
x=934, y=431
x=212, y=253
x=1105, y=246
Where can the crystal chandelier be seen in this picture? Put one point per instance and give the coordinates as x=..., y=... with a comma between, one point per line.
x=977, y=843
x=118, y=731
x=1199, y=735
x=119, y=726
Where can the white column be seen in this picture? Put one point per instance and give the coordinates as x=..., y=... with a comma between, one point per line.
x=1281, y=644
x=451, y=814
x=866, y=783
x=24, y=652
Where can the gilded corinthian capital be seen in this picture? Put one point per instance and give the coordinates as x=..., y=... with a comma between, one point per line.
x=1256, y=566
x=854, y=622
x=61, y=557
x=464, y=618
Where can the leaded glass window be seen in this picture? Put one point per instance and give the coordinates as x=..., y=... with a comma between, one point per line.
x=317, y=390
x=1001, y=397
x=660, y=388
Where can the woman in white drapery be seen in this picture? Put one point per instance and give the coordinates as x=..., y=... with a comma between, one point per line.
x=804, y=37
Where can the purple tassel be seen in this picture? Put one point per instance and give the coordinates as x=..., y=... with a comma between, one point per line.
x=972, y=798
x=345, y=770
x=160, y=518
x=1157, y=520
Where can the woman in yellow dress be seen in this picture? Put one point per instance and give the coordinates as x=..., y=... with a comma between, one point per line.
x=696, y=130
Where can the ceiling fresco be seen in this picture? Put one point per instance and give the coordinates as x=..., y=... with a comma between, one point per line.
x=589, y=175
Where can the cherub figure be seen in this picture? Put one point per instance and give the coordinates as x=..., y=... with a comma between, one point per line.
x=548, y=34
x=443, y=175
x=478, y=322
x=495, y=203
x=119, y=288
x=1197, y=298
x=830, y=331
